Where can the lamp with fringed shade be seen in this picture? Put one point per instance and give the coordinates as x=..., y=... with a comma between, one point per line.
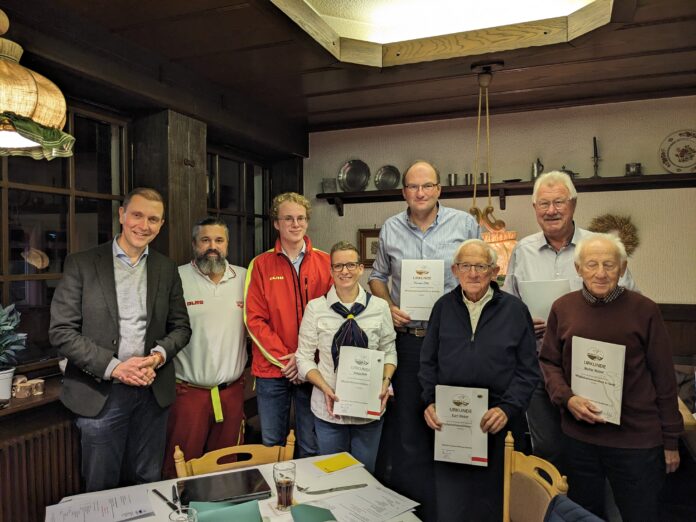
x=32, y=108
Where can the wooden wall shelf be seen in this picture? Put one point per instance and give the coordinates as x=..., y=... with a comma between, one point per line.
x=502, y=190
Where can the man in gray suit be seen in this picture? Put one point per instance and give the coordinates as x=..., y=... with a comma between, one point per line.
x=119, y=317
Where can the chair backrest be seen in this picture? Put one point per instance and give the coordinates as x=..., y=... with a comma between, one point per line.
x=210, y=462
x=527, y=493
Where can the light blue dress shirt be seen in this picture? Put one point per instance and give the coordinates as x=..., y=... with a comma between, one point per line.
x=401, y=239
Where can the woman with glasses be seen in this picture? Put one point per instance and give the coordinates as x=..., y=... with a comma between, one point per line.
x=479, y=337
x=345, y=316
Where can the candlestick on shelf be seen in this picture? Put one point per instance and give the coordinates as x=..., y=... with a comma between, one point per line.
x=595, y=158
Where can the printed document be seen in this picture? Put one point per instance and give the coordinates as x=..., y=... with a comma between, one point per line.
x=460, y=410
x=422, y=283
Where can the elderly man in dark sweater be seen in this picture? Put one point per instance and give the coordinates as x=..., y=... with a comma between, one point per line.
x=635, y=454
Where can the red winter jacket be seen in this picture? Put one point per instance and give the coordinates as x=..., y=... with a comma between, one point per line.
x=275, y=297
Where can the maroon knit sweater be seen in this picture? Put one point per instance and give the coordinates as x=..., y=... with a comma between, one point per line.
x=649, y=410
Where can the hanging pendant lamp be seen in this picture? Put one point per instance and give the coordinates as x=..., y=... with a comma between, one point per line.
x=502, y=241
x=32, y=108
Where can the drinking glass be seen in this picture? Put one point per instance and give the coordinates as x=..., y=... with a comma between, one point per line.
x=185, y=514
x=284, y=477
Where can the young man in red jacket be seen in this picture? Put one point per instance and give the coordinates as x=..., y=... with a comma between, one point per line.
x=279, y=285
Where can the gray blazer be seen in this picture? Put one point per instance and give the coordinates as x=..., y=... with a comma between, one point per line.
x=84, y=325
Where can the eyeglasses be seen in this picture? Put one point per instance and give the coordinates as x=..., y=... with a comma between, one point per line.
x=427, y=187
x=478, y=268
x=594, y=266
x=338, y=267
x=288, y=220
x=558, y=204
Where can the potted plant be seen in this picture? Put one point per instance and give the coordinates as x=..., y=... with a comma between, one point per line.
x=11, y=342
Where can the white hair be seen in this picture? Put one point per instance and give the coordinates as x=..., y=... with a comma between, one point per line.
x=492, y=254
x=595, y=236
x=555, y=177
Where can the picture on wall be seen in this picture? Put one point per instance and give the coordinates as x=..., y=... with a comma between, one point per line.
x=368, y=242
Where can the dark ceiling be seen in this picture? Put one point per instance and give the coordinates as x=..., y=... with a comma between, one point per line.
x=252, y=50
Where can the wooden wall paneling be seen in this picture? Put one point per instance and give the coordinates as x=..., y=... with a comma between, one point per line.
x=169, y=154
x=187, y=182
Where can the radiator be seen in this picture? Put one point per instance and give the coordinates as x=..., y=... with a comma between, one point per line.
x=38, y=468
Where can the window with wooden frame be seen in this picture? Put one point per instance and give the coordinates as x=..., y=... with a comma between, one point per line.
x=238, y=191
x=49, y=209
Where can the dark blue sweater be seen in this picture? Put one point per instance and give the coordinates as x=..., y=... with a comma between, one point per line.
x=500, y=356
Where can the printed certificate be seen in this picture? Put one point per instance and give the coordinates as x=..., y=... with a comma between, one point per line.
x=359, y=382
x=460, y=410
x=422, y=283
x=598, y=373
x=540, y=295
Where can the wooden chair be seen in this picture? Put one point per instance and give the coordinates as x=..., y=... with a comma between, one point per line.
x=526, y=493
x=210, y=462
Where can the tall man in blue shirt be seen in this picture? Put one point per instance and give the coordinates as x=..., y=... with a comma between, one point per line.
x=425, y=230
x=118, y=316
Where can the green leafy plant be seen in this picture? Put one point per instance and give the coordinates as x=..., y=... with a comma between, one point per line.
x=11, y=342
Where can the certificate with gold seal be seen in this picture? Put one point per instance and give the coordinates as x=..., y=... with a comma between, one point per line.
x=597, y=374
x=460, y=410
x=422, y=283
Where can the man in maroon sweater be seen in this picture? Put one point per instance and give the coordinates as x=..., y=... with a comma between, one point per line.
x=635, y=454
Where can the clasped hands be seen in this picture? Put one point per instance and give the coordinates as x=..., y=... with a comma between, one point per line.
x=138, y=371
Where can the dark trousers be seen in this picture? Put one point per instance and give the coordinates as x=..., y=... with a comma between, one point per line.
x=636, y=477
x=471, y=493
x=124, y=444
x=544, y=420
x=405, y=461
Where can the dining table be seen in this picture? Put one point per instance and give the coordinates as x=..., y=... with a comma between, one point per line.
x=308, y=478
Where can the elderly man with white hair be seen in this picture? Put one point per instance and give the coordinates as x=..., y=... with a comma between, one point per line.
x=636, y=454
x=479, y=337
x=544, y=256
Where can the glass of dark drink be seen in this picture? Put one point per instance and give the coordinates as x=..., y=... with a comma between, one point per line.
x=284, y=477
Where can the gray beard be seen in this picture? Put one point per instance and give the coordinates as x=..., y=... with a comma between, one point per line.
x=210, y=266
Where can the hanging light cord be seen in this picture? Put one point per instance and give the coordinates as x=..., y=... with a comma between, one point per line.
x=485, y=218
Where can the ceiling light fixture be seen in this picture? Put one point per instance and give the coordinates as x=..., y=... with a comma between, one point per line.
x=32, y=108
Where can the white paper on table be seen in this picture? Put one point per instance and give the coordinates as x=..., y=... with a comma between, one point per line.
x=597, y=374
x=540, y=295
x=422, y=283
x=359, y=382
x=460, y=410
x=373, y=503
x=108, y=506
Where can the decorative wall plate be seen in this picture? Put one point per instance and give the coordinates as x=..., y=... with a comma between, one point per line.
x=678, y=152
x=354, y=176
x=387, y=177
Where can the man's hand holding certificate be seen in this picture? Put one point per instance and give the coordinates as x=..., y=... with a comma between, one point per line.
x=461, y=438
x=359, y=383
x=422, y=283
x=597, y=375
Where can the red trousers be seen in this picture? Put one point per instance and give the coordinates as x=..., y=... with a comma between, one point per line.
x=192, y=425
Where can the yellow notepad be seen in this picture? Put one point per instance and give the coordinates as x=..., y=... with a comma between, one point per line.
x=340, y=461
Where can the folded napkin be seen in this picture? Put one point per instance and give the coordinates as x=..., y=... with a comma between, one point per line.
x=226, y=511
x=307, y=513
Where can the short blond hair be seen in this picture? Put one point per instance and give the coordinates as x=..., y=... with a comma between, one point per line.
x=555, y=177
x=291, y=197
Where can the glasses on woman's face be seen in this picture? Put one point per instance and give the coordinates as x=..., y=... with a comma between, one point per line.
x=426, y=187
x=351, y=267
x=558, y=204
x=479, y=268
